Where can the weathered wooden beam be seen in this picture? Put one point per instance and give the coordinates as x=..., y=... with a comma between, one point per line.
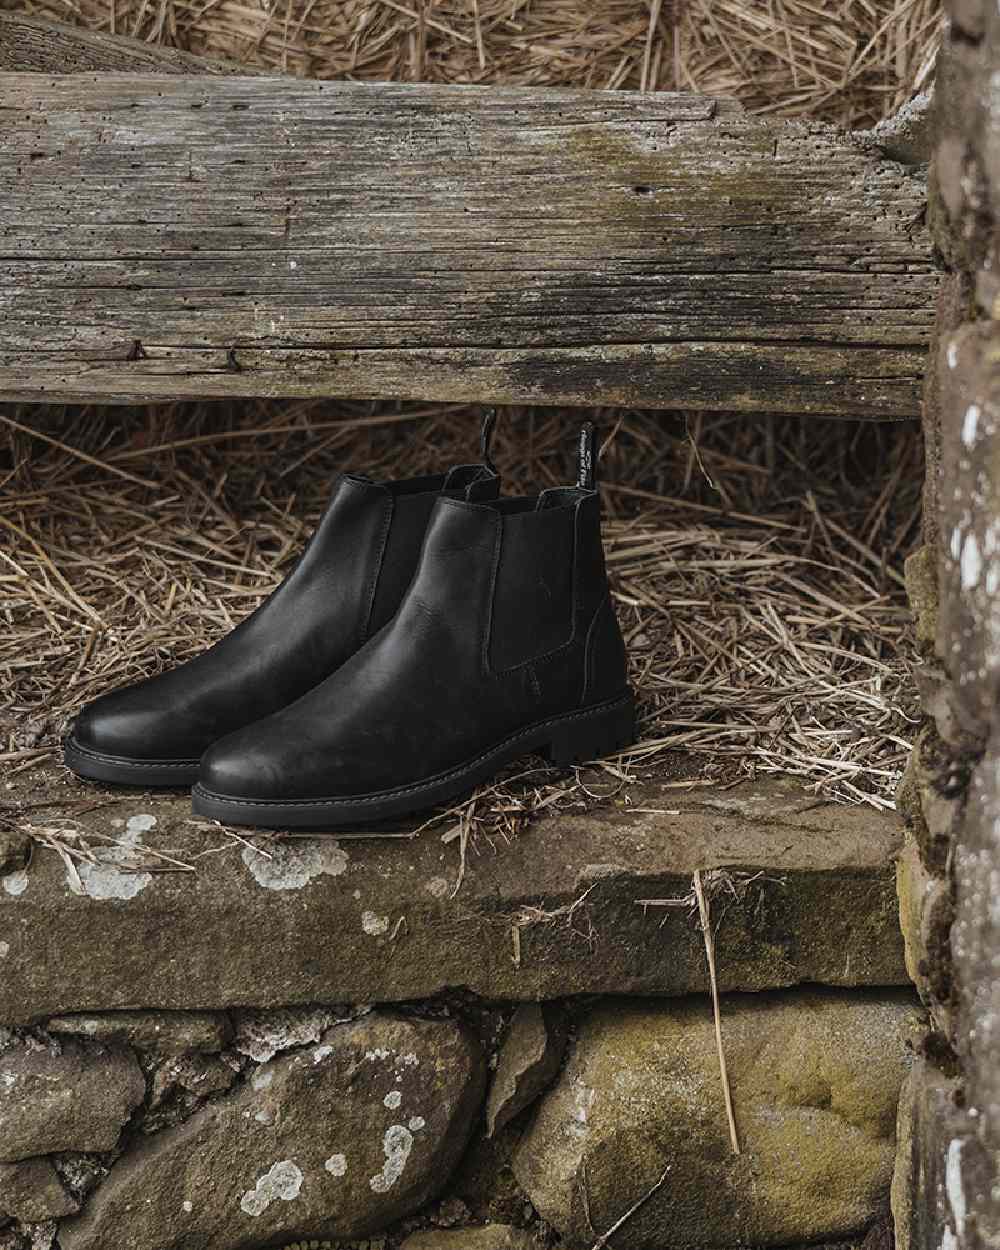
x=33, y=45
x=167, y=237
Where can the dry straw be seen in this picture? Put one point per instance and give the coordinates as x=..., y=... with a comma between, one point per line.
x=851, y=62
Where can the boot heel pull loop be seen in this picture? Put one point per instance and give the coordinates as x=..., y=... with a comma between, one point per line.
x=586, y=478
x=486, y=438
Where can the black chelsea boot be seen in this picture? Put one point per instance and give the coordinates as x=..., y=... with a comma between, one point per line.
x=505, y=642
x=347, y=584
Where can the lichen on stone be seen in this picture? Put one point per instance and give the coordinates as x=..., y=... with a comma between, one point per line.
x=292, y=865
x=283, y=1181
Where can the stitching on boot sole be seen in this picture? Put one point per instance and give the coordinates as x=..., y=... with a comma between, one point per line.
x=70, y=744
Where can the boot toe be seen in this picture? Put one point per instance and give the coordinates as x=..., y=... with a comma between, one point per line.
x=140, y=723
x=124, y=738
x=238, y=768
x=112, y=726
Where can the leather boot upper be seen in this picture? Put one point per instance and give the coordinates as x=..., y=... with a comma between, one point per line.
x=346, y=585
x=508, y=621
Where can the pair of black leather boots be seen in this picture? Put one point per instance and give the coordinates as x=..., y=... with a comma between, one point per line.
x=431, y=632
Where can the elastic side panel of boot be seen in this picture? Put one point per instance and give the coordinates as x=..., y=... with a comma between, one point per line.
x=591, y=575
x=410, y=514
x=533, y=600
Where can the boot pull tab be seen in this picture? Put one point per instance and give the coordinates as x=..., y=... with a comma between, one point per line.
x=486, y=438
x=586, y=478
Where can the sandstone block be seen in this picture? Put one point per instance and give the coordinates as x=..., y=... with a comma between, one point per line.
x=336, y=1140
x=926, y=913
x=167, y=1032
x=529, y=1058
x=815, y=1080
x=65, y=1097
x=31, y=1191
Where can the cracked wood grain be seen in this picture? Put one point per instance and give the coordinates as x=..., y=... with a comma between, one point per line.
x=169, y=237
x=33, y=45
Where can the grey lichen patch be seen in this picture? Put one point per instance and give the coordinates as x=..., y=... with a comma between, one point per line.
x=15, y=883
x=292, y=865
x=140, y=823
x=283, y=1181
x=397, y=1144
x=373, y=924
x=107, y=881
x=263, y=1034
x=113, y=874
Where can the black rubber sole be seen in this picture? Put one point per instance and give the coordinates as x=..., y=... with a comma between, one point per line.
x=119, y=770
x=570, y=739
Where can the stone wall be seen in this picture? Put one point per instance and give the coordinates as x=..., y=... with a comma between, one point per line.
x=946, y=1192
x=155, y=1130
x=188, y=1059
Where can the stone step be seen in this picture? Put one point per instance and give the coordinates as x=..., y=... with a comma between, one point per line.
x=579, y=903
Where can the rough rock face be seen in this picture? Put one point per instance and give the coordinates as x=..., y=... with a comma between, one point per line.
x=932, y=1149
x=920, y=568
x=197, y=1075
x=337, y=1140
x=263, y=1034
x=168, y=1032
x=15, y=848
x=529, y=1058
x=926, y=913
x=815, y=1080
x=180, y=1084
x=485, y=1182
x=65, y=1097
x=906, y=135
x=30, y=1237
x=492, y=1237
x=32, y=1191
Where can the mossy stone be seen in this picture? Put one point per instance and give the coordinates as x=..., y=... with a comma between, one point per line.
x=815, y=1079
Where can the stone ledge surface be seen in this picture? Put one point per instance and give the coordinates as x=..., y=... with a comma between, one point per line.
x=806, y=893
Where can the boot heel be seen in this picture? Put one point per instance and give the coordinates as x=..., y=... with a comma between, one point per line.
x=592, y=735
